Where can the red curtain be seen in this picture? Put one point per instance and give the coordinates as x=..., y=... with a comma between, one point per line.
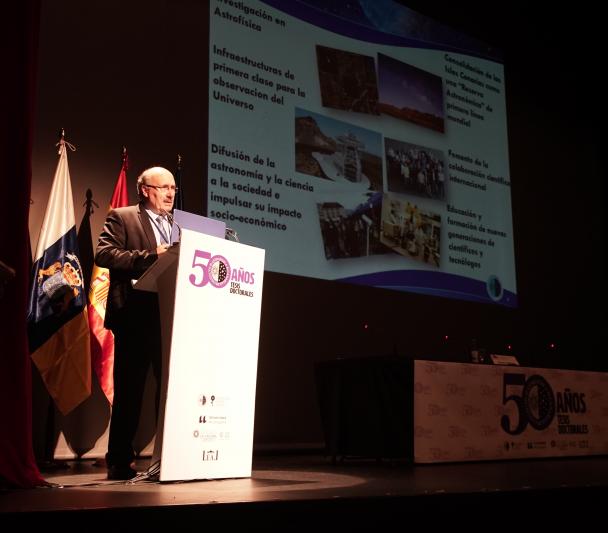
x=19, y=29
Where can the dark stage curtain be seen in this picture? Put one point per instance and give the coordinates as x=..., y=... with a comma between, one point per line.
x=19, y=35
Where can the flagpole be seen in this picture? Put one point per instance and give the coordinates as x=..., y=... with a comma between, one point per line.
x=179, y=198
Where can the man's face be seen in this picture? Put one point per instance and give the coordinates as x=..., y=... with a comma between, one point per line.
x=159, y=192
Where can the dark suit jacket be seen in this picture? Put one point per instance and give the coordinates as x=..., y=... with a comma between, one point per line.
x=127, y=247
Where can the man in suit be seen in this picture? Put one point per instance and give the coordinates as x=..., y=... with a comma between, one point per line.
x=131, y=241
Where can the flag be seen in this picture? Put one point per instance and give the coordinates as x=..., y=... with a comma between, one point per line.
x=58, y=331
x=85, y=243
x=102, y=340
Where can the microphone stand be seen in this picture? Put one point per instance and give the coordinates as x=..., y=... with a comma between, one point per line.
x=179, y=228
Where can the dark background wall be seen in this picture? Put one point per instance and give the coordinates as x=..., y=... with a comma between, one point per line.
x=130, y=73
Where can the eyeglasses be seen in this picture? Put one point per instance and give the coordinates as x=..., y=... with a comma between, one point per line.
x=163, y=188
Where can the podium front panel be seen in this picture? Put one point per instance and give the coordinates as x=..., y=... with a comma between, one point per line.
x=210, y=400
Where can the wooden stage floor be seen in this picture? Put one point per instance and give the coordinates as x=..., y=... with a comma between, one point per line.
x=300, y=490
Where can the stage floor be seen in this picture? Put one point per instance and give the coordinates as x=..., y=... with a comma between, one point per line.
x=301, y=486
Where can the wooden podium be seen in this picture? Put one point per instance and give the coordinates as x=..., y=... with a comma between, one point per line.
x=210, y=295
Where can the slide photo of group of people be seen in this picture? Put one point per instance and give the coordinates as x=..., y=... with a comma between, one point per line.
x=413, y=169
x=352, y=157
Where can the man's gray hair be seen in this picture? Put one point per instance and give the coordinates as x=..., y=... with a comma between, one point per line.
x=143, y=178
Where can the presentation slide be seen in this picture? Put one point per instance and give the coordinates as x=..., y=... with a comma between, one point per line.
x=360, y=141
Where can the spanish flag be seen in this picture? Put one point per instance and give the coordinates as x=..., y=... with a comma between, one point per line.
x=102, y=340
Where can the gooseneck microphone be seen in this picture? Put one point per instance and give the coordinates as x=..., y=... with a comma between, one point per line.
x=231, y=234
x=172, y=221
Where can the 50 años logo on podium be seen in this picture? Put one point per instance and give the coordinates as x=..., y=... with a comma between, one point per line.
x=216, y=271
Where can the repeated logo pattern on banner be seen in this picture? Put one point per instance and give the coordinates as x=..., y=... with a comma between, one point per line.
x=468, y=412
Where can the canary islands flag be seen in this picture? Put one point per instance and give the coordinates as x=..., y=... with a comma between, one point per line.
x=58, y=328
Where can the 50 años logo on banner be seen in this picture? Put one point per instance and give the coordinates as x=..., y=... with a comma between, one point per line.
x=537, y=405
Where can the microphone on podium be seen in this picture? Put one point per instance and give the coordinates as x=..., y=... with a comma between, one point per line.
x=172, y=221
x=231, y=235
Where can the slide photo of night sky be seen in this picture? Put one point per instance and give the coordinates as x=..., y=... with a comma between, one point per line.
x=409, y=93
x=347, y=80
